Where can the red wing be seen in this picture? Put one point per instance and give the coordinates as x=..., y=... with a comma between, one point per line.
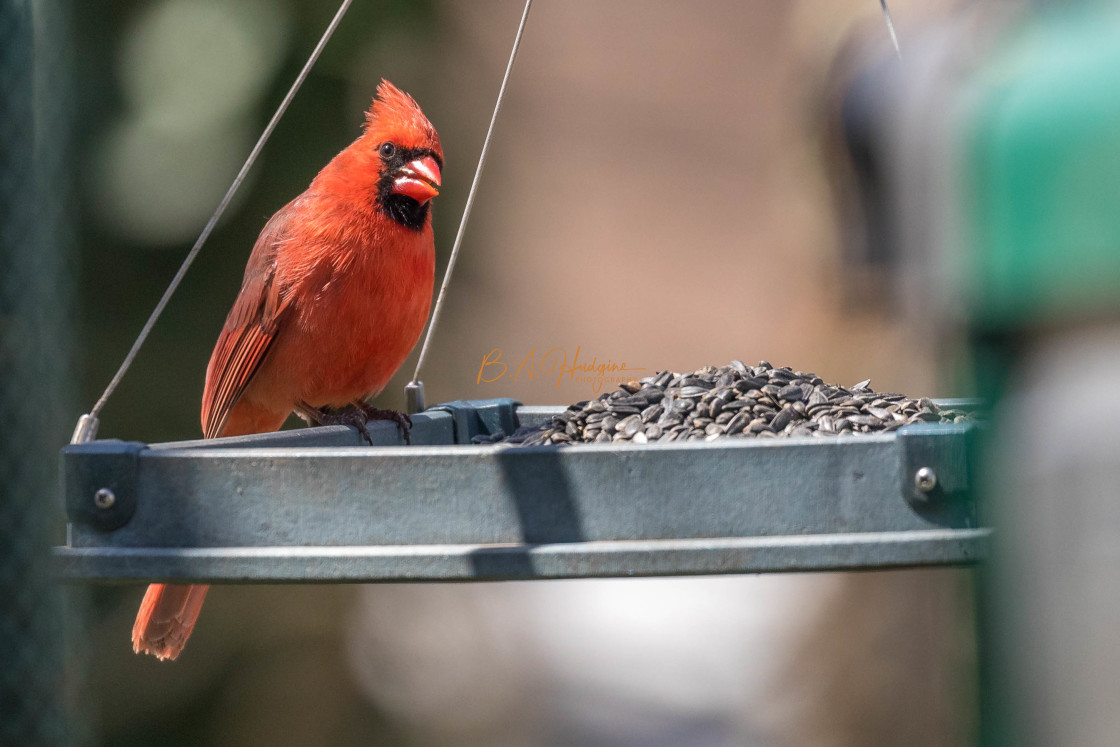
x=249, y=330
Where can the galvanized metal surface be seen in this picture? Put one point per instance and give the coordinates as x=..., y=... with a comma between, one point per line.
x=820, y=552
x=312, y=505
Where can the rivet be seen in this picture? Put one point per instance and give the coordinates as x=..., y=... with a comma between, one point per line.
x=104, y=498
x=925, y=479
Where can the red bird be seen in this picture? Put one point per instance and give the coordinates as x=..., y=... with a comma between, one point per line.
x=335, y=295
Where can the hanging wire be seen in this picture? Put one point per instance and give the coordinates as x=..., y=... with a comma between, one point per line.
x=415, y=389
x=890, y=27
x=86, y=428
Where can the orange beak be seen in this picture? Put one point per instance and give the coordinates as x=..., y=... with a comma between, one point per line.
x=418, y=179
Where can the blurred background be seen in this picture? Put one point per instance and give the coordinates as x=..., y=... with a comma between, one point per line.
x=671, y=185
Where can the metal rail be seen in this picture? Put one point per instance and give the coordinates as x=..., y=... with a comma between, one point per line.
x=316, y=506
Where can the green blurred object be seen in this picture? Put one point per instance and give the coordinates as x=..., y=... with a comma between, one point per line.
x=1042, y=173
x=1040, y=207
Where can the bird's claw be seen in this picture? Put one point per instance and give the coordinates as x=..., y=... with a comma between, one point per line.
x=360, y=423
x=403, y=421
x=359, y=416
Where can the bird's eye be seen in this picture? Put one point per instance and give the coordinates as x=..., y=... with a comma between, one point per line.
x=387, y=150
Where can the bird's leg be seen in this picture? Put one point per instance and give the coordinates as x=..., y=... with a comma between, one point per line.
x=403, y=421
x=327, y=416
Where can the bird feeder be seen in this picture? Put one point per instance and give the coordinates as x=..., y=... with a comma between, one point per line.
x=318, y=505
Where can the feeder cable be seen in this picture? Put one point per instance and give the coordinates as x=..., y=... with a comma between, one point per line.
x=415, y=384
x=86, y=428
x=890, y=27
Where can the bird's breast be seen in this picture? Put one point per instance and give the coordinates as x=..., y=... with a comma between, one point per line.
x=353, y=330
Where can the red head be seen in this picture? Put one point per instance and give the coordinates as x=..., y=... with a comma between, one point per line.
x=410, y=156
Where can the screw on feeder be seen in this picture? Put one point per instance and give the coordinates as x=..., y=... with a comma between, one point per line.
x=925, y=480
x=104, y=498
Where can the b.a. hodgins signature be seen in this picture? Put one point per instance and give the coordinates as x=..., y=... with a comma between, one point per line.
x=555, y=362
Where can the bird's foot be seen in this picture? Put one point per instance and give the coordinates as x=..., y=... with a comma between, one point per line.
x=358, y=415
x=403, y=421
x=329, y=416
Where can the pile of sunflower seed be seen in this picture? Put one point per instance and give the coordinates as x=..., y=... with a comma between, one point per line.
x=735, y=400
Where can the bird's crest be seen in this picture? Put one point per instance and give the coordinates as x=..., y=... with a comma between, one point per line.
x=393, y=109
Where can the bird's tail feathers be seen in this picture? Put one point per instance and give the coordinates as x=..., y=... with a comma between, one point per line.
x=166, y=618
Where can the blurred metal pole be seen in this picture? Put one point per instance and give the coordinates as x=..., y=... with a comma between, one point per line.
x=1054, y=589
x=37, y=683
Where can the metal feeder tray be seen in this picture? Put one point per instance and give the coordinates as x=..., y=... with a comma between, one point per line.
x=317, y=505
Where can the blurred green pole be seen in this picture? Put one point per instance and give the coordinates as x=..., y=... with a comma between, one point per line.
x=1041, y=190
x=37, y=679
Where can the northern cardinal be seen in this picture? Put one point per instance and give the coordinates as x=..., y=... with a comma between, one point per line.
x=335, y=295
